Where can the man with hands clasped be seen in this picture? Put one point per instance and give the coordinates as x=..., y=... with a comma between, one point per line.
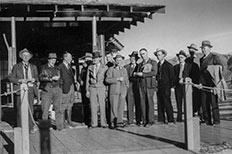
x=51, y=91
x=117, y=78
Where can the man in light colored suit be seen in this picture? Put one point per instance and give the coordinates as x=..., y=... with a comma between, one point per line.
x=96, y=90
x=25, y=72
x=117, y=78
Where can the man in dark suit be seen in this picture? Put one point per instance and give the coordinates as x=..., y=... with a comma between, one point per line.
x=133, y=91
x=25, y=72
x=208, y=98
x=146, y=74
x=194, y=75
x=68, y=88
x=166, y=79
x=82, y=79
x=182, y=70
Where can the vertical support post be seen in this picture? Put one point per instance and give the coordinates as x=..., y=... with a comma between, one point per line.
x=102, y=41
x=13, y=51
x=0, y=98
x=94, y=34
x=45, y=143
x=192, y=130
x=25, y=119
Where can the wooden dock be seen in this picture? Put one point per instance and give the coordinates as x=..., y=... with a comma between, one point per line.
x=160, y=138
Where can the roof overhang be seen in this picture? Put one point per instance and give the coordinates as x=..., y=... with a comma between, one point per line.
x=122, y=15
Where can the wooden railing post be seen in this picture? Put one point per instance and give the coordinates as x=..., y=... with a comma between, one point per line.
x=25, y=119
x=192, y=128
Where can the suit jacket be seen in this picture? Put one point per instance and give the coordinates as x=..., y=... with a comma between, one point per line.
x=149, y=75
x=46, y=75
x=133, y=81
x=116, y=87
x=165, y=75
x=17, y=73
x=205, y=77
x=97, y=81
x=185, y=73
x=67, y=78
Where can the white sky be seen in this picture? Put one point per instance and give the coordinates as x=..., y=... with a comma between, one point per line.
x=185, y=22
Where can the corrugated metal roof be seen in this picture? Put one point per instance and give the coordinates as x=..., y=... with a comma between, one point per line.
x=78, y=2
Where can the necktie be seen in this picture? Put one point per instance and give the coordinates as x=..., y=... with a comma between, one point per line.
x=26, y=71
x=159, y=70
x=181, y=70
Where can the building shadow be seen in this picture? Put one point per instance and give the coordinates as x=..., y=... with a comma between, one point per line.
x=175, y=143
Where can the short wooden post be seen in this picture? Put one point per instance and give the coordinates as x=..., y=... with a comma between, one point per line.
x=192, y=130
x=25, y=119
x=18, y=140
x=45, y=143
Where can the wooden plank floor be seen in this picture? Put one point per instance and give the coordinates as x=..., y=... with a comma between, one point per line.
x=128, y=139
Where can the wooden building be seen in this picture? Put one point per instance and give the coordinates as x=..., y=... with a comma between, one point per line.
x=77, y=26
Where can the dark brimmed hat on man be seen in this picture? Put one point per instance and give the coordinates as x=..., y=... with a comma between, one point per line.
x=118, y=56
x=193, y=46
x=181, y=52
x=25, y=51
x=52, y=55
x=206, y=43
x=162, y=51
x=134, y=54
x=96, y=54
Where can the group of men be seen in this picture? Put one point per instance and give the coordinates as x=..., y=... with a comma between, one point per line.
x=107, y=88
x=56, y=82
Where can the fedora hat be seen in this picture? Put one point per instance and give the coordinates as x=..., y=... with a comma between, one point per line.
x=181, y=52
x=21, y=52
x=52, y=55
x=89, y=55
x=193, y=46
x=160, y=50
x=134, y=54
x=118, y=56
x=206, y=43
x=96, y=54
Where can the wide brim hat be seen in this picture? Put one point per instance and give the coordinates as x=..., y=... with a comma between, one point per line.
x=24, y=51
x=119, y=56
x=161, y=50
x=206, y=43
x=193, y=46
x=96, y=54
x=181, y=52
x=52, y=56
x=134, y=54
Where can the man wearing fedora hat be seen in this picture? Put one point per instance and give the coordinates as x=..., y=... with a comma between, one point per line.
x=146, y=75
x=25, y=72
x=182, y=70
x=166, y=80
x=88, y=58
x=208, y=99
x=96, y=90
x=117, y=79
x=51, y=92
x=133, y=91
x=194, y=75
